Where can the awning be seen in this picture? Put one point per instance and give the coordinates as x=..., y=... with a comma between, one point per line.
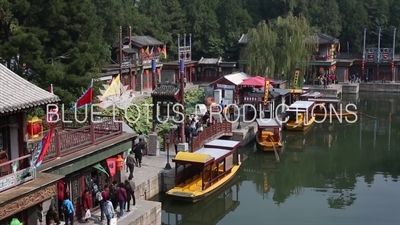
x=256, y=81
x=193, y=157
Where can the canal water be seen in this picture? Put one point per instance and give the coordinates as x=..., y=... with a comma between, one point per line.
x=332, y=174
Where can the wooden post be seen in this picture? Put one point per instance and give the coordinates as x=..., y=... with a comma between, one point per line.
x=120, y=51
x=132, y=78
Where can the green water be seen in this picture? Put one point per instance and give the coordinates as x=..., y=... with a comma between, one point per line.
x=351, y=180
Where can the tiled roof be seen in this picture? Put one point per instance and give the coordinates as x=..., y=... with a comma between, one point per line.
x=327, y=39
x=141, y=41
x=243, y=39
x=16, y=93
x=210, y=61
x=236, y=78
x=165, y=90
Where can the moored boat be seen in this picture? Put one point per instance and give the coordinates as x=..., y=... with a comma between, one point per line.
x=331, y=108
x=268, y=136
x=314, y=95
x=300, y=116
x=204, y=171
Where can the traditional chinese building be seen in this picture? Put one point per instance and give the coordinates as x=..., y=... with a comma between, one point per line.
x=80, y=154
x=133, y=62
x=210, y=69
x=322, y=61
x=226, y=88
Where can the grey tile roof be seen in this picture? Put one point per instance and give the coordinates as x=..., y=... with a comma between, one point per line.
x=210, y=61
x=243, y=39
x=141, y=41
x=16, y=93
x=327, y=39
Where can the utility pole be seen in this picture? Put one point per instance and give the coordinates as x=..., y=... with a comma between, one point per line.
x=364, y=52
x=379, y=53
x=120, y=51
x=132, y=78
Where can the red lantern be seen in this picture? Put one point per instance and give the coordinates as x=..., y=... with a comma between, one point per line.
x=33, y=129
x=158, y=71
x=146, y=72
x=120, y=163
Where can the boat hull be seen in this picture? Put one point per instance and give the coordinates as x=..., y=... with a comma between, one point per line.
x=179, y=194
x=268, y=146
x=343, y=114
x=300, y=125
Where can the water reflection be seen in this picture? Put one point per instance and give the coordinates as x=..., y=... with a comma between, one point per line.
x=346, y=173
x=210, y=211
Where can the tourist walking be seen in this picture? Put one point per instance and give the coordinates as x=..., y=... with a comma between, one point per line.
x=112, y=194
x=139, y=152
x=108, y=210
x=121, y=197
x=68, y=209
x=130, y=163
x=86, y=205
x=128, y=189
x=104, y=196
x=133, y=188
x=52, y=216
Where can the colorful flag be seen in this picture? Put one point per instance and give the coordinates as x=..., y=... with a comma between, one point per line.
x=113, y=89
x=147, y=50
x=152, y=51
x=164, y=51
x=44, y=146
x=85, y=99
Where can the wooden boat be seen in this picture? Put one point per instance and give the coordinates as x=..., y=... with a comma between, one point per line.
x=268, y=136
x=315, y=95
x=333, y=109
x=300, y=116
x=204, y=172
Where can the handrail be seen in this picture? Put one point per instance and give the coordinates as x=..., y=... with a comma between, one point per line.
x=14, y=160
x=68, y=140
x=210, y=132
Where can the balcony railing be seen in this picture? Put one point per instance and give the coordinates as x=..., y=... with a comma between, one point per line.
x=16, y=172
x=73, y=136
x=213, y=131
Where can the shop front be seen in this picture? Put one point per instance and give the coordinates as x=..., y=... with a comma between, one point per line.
x=90, y=170
x=226, y=88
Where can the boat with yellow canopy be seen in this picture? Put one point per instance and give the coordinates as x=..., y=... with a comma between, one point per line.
x=268, y=136
x=300, y=116
x=204, y=171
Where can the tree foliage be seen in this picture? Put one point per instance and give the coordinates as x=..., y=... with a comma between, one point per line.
x=276, y=48
x=66, y=43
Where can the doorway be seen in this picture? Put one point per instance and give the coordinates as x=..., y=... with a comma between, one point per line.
x=370, y=74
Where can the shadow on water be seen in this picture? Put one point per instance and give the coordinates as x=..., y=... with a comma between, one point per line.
x=347, y=173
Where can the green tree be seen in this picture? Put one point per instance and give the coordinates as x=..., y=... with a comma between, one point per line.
x=60, y=44
x=327, y=22
x=277, y=48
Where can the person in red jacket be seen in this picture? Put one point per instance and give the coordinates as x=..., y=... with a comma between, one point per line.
x=86, y=204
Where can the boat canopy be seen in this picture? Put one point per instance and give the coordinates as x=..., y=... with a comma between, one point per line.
x=222, y=143
x=216, y=153
x=312, y=95
x=327, y=100
x=194, y=157
x=296, y=110
x=268, y=123
x=301, y=105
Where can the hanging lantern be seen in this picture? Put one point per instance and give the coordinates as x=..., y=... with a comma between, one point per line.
x=146, y=72
x=34, y=127
x=158, y=71
x=120, y=163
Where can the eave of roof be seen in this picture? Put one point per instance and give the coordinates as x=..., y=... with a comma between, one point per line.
x=17, y=94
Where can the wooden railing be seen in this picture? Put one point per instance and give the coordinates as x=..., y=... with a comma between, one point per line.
x=68, y=139
x=16, y=172
x=210, y=132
